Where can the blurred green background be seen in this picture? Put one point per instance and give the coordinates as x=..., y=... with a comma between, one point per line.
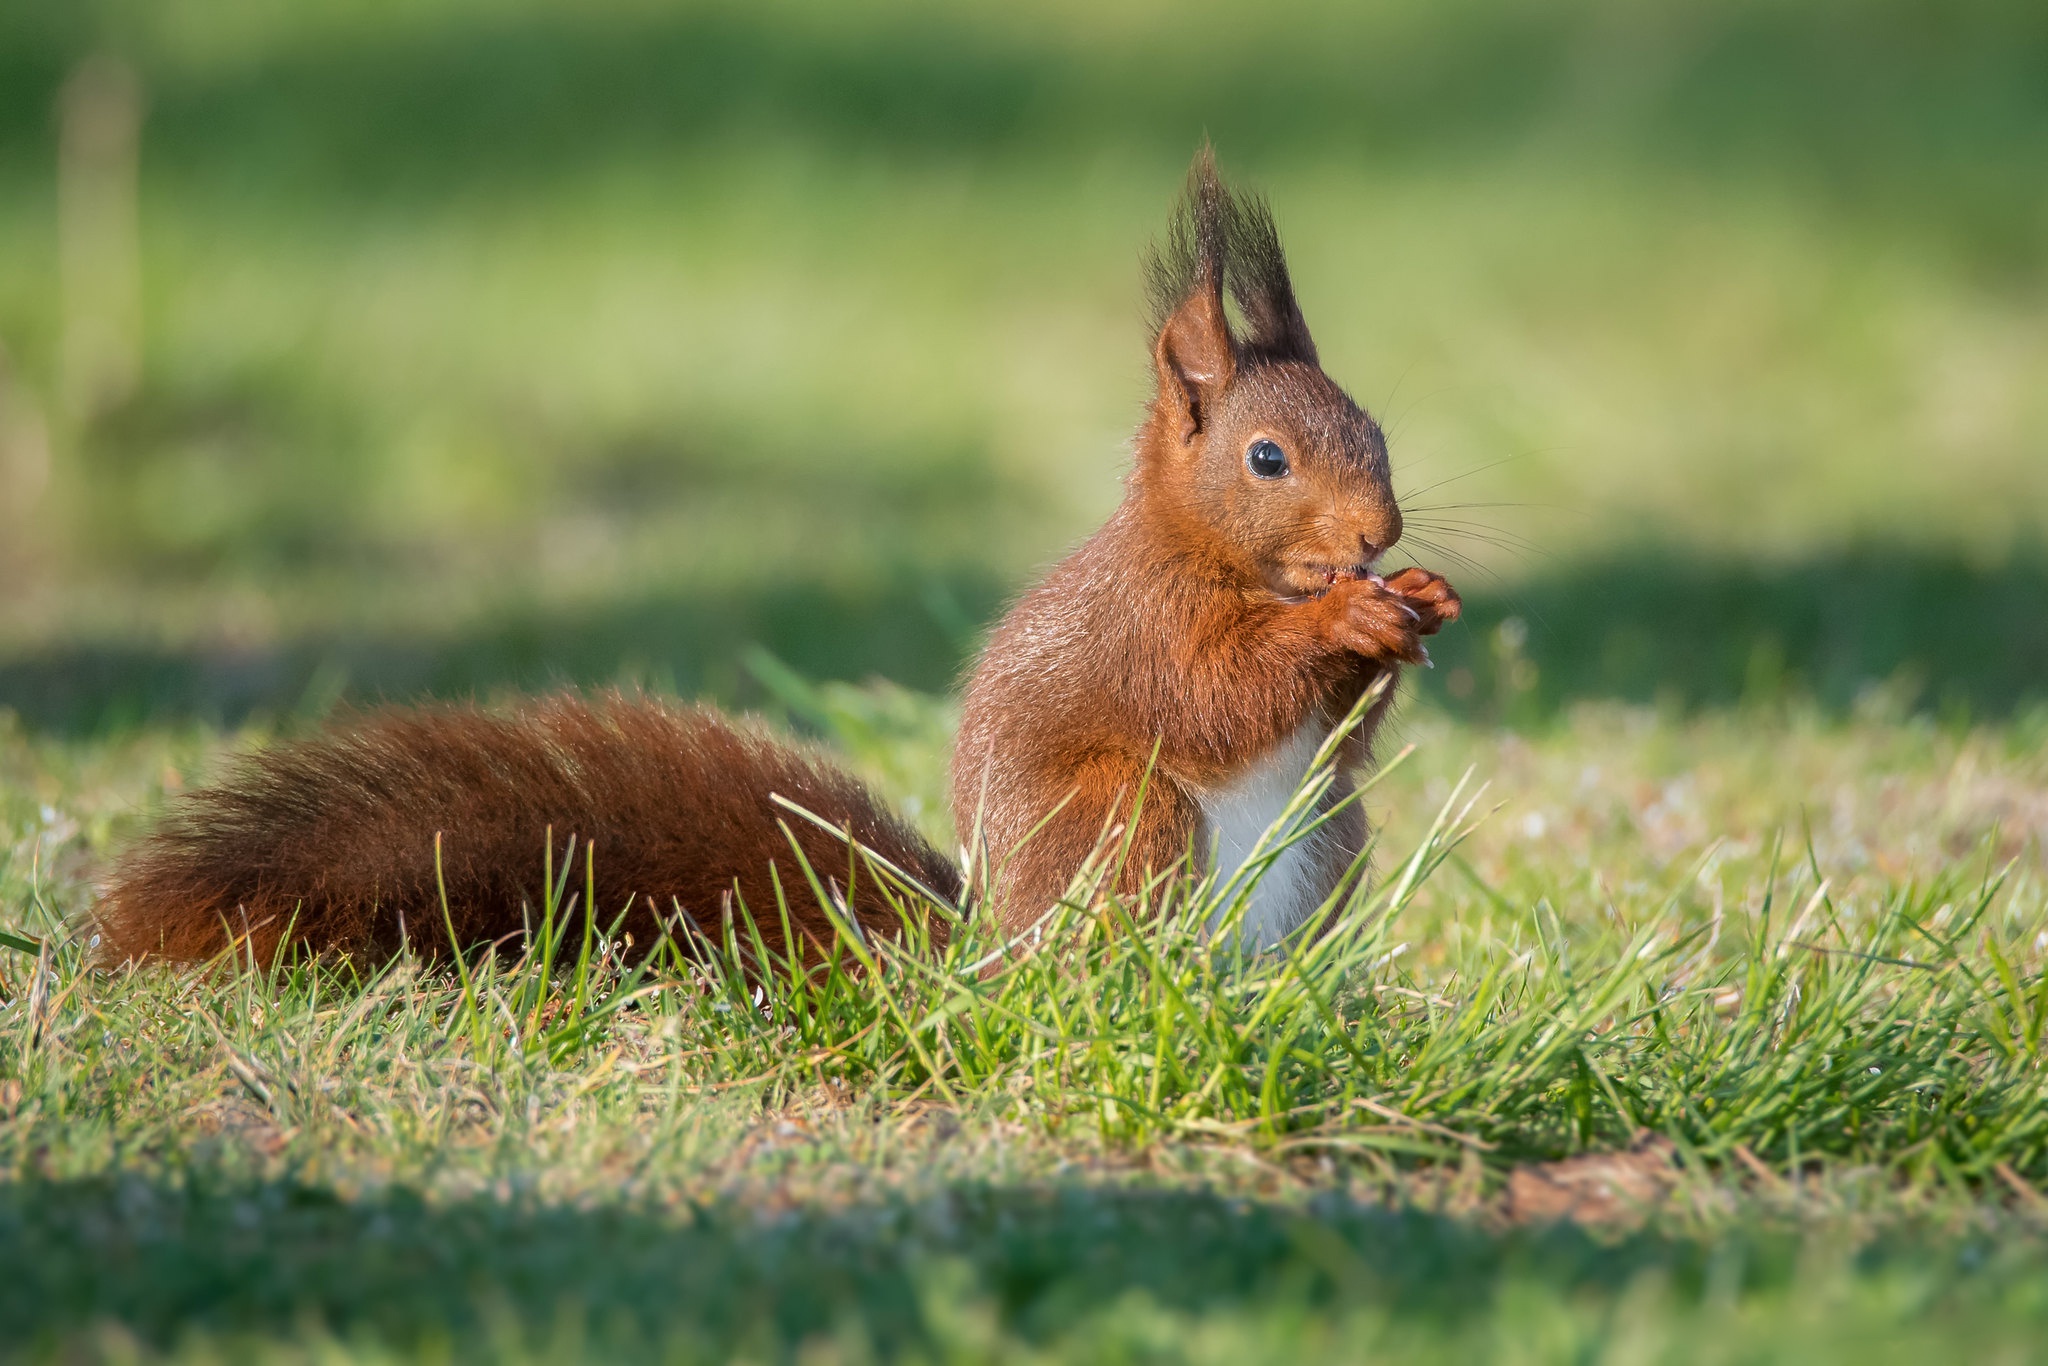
x=456, y=346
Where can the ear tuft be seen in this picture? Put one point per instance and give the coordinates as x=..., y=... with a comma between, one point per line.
x=1217, y=240
x=1192, y=349
x=1191, y=260
x=1257, y=271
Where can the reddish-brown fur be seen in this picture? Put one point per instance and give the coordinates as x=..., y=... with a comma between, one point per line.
x=332, y=839
x=1213, y=617
x=1215, y=612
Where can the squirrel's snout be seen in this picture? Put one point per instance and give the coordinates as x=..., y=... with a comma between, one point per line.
x=1380, y=539
x=1392, y=532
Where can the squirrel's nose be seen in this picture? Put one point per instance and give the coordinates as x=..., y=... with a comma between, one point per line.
x=1381, y=539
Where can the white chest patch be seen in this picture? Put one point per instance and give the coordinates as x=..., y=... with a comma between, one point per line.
x=1237, y=815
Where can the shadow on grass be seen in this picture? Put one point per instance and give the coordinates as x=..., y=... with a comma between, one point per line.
x=1933, y=633
x=471, y=1277
x=914, y=627
x=1939, y=635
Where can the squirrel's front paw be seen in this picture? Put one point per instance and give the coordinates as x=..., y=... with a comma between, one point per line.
x=1431, y=595
x=1367, y=617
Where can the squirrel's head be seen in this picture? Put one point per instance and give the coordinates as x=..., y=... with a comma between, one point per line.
x=1247, y=436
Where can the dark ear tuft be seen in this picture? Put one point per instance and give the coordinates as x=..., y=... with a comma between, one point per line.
x=1191, y=259
x=1192, y=349
x=1218, y=240
x=1257, y=271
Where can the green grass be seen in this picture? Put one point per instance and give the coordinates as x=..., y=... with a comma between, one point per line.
x=1139, y=1145
x=490, y=344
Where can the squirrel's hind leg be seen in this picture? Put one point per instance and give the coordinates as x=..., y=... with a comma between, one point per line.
x=1126, y=825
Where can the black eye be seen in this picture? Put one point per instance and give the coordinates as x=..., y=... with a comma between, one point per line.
x=1266, y=460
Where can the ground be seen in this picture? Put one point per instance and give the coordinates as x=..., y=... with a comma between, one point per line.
x=312, y=1167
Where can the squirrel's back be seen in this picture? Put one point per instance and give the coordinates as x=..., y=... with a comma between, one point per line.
x=329, y=842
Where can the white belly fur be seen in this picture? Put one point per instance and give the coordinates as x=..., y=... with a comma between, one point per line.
x=1236, y=815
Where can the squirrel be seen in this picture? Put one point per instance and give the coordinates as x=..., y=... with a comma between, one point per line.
x=1178, y=673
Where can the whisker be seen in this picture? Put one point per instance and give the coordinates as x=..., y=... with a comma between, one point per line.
x=1520, y=604
x=1482, y=532
x=1387, y=406
x=1451, y=552
x=1471, y=523
x=1458, y=558
x=1458, y=524
x=1489, y=543
x=1418, y=462
x=1484, y=535
x=1470, y=507
x=1495, y=464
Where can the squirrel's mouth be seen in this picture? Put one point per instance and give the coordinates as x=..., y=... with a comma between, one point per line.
x=1305, y=582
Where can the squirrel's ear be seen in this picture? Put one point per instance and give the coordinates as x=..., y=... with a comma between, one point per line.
x=1195, y=362
x=1192, y=350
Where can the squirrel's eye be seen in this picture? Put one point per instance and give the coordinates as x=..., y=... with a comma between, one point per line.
x=1266, y=460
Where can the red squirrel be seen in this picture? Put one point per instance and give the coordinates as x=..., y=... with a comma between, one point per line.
x=1200, y=645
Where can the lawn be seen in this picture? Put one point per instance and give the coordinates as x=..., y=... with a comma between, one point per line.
x=759, y=352
x=1805, y=953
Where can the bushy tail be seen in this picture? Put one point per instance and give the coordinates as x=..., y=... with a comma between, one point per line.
x=329, y=843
